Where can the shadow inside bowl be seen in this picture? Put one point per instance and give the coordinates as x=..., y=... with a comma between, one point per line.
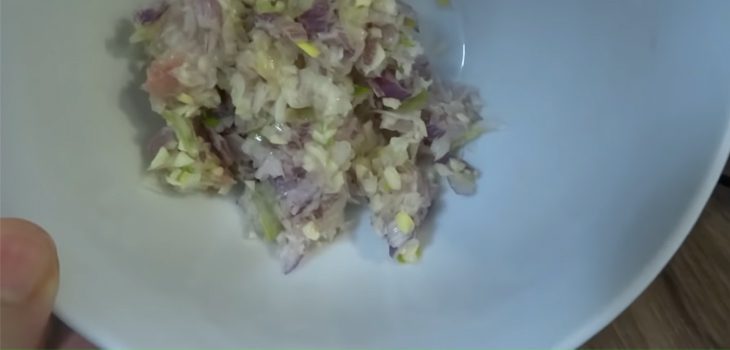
x=133, y=100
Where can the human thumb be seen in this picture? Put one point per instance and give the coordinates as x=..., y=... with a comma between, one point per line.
x=28, y=283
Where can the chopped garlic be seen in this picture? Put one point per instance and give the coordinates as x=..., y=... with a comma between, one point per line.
x=392, y=178
x=323, y=136
x=310, y=231
x=361, y=171
x=336, y=182
x=251, y=185
x=185, y=98
x=317, y=151
x=378, y=58
x=376, y=202
x=274, y=136
x=388, y=7
x=462, y=118
x=456, y=165
x=218, y=171
x=370, y=185
x=375, y=33
x=392, y=103
x=442, y=169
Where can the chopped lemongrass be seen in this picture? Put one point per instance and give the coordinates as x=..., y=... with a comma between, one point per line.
x=404, y=222
x=309, y=48
x=184, y=131
x=410, y=252
x=392, y=178
x=183, y=160
x=189, y=179
x=161, y=159
x=472, y=133
x=405, y=41
x=269, y=6
x=361, y=91
x=410, y=23
x=210, y=121
x=414, y=103
x=262, y=198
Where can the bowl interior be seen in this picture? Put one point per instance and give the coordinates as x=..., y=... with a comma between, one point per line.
x=610, y=120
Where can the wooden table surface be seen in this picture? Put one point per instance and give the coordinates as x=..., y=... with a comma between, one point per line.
x=688, y=305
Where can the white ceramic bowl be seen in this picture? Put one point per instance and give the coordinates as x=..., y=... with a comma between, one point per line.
x=613, y=125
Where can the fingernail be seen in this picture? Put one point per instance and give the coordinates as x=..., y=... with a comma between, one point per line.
x=23, y=268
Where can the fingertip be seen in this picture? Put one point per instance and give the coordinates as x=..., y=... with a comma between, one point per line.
x=15, y=228
x=28, y=282
x=28, y=260
x=21, y=231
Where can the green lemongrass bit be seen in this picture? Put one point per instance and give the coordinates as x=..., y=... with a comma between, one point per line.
x=472, y=133
x=414, y=103
x=210, y=121
x=263, y=198
x=268, y=6
x=361, y=90
x=410, y=23
x=184, y=132
x=405, y=41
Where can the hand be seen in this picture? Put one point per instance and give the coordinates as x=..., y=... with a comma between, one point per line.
x=28, y=286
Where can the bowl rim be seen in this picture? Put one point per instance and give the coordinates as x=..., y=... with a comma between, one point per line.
x=651, y=270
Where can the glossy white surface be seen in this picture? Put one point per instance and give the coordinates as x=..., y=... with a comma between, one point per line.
x=613, y=125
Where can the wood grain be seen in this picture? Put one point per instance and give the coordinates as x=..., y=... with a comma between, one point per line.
x=688, y=305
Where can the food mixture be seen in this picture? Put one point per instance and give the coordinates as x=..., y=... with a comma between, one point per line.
x=309, y=106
